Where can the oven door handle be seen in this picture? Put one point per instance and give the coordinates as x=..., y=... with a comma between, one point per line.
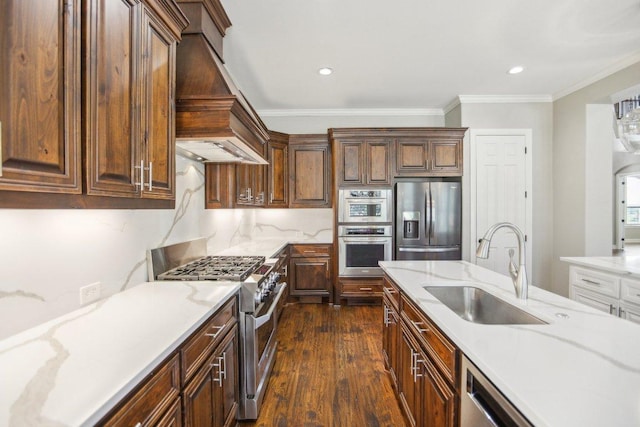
x=266, y=317
x=352, y=239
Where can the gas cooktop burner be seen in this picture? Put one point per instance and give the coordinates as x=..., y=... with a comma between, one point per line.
x=215, y=267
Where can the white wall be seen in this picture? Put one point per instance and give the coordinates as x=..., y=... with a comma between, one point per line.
x=47, y=255
x=538, y=117
x=569, y=167
x=319, y=123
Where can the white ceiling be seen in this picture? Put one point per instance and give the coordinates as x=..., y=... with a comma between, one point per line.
x=422, y=54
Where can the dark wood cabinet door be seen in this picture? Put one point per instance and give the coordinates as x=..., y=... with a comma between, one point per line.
x=40, y=105
x=411, y=157
x=309, y=171
x=158, y=113
x=112, y=97
x=390, y=347
x=219, y=185
x=244, y=184
x=407, y=389
x=445, y=157
x=278, y=175
x=351, y=163
x=310, y=276
x=198, y=400
x=378, y=163
x=226, y=383
x=439, y=400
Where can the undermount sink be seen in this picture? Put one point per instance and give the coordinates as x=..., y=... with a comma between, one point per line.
x=478, y=306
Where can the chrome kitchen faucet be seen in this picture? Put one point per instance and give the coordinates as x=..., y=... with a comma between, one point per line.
x=518, y=274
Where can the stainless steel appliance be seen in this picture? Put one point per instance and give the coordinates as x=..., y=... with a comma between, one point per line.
x=482, y=404
x=260, y=293
x=428, y=219
x=360, y=247
x=357, y=205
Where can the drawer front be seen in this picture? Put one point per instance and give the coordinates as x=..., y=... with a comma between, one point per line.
x=439, y=348
x=362, y=289
x=630, y=291
x=198, y=347
x=630, y=312
x=298, y=251
x=392, y=291
x=596, y=281
x=147, y=405
x=594, y=300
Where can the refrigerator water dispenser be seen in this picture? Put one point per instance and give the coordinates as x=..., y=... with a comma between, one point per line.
x=411, y=221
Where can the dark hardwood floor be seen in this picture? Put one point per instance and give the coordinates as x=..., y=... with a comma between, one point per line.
x=329, y=370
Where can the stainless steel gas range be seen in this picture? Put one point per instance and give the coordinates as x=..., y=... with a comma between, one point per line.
x=260, y=293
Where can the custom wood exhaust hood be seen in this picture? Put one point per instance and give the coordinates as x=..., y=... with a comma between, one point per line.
x=214, y=121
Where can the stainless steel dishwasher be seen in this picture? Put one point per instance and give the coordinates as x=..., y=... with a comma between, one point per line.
x=482, y=405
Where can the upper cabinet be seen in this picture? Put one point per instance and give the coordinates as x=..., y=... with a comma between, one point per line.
x=129, y=83
x=278, y=170
x=362, y=159
x=433, y=152
x=309, y=171
x=40, y=105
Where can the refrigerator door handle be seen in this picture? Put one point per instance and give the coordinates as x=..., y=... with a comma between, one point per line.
x=427, y=212
x=428, y=249
x=432, y=217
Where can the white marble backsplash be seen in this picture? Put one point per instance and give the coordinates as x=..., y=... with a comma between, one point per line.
x=47, y=255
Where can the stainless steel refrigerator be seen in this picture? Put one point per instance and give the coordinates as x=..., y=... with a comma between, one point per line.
x=428, y=219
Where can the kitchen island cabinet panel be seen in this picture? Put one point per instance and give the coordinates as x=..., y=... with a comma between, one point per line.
x=40, y=107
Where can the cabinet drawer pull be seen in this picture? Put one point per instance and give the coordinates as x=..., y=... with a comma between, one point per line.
x=366, y=289
x=309, y=252
x=611, y=308
x=417, y=325
x=593, y=282
x=218, y=330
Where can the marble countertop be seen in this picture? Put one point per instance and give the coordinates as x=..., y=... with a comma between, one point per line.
x=615, y=264
x=74, y=369
x=580, y=369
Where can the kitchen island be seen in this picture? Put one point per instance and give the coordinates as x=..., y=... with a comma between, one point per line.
x=582, y=368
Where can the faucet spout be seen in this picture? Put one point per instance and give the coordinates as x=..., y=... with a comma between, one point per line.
x=518, y=274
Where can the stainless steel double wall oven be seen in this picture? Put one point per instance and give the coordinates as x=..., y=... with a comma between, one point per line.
x=260, y=293
x=365, y=224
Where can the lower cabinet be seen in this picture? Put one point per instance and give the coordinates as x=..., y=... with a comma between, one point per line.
x=310, y=272
x=422, y=362
x=198, y=385
x=609, y=292
x=361, y=290
x=211, y=397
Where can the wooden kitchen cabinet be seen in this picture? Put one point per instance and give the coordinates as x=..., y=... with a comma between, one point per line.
x=391, y=334
x=310, y=272
x=153, y=402
x=361, y=290
x=422, y=362
x=250, y=185
x=129, y=86
x=219, y=185
x=434, y=152
x=40, y=107
x=278, y=170
x=309, y=171
x=211, y=398
x=362, y=162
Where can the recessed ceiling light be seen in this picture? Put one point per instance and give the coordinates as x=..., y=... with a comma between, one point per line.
x=516, y=70
x=325, y=71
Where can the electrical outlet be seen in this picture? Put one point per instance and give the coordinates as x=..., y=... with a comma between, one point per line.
x=90, y=293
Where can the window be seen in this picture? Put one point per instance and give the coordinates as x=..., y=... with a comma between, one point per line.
x=633, y=200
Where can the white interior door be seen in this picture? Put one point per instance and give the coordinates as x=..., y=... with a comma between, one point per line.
x=501, y=192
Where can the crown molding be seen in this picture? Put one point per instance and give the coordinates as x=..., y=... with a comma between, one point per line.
x=450, y=106
x=503, y=99
x=601, y=75
x=351, y=112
